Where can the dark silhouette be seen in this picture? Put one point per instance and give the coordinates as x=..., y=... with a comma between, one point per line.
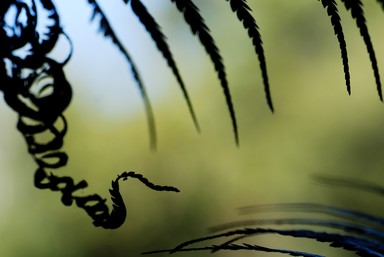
x=350, y=230
x=35, y=86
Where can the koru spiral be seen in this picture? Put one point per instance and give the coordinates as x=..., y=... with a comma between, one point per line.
x=35, y=86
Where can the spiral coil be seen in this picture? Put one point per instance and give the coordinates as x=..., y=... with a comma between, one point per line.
x=35, y=86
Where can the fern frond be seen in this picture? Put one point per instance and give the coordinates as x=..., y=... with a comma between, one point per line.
x=131, y=174
x=199, y=28
x=241, y=8
x=119, y=212
x=108, y=32
x=361, y=246
x=347, y=227
x=356, y=8
x=353, y=231
x=158, y=37
x=249, y=247
x=331, y=7
x=237, y=247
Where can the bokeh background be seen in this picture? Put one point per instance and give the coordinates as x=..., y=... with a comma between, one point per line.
x=316, y=129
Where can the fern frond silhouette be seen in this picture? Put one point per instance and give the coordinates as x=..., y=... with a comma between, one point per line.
x=332, y=11
x=200, y=29
x=25, y=63
x=108, y=32
x=353, y=231
x=356, y=8
x=154, y=30
x=243, y=13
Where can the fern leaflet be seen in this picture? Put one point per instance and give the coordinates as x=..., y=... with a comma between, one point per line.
x=332, y=11
x=243, y=13
x=356, y=8
x=199, y=28
x=154, y=30
x=108, y=32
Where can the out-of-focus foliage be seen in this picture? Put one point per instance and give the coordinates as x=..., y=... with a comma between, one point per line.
x=317, y=129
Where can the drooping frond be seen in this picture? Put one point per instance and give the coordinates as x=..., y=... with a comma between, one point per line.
x=108, y=32
x=158, y=37
x=199, y=28
x=356, y=8
x=241, y=8
x=332, y=11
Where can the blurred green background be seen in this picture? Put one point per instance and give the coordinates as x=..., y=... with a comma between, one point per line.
x=316, y=129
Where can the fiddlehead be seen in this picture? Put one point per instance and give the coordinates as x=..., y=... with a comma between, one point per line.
x=35, y=86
